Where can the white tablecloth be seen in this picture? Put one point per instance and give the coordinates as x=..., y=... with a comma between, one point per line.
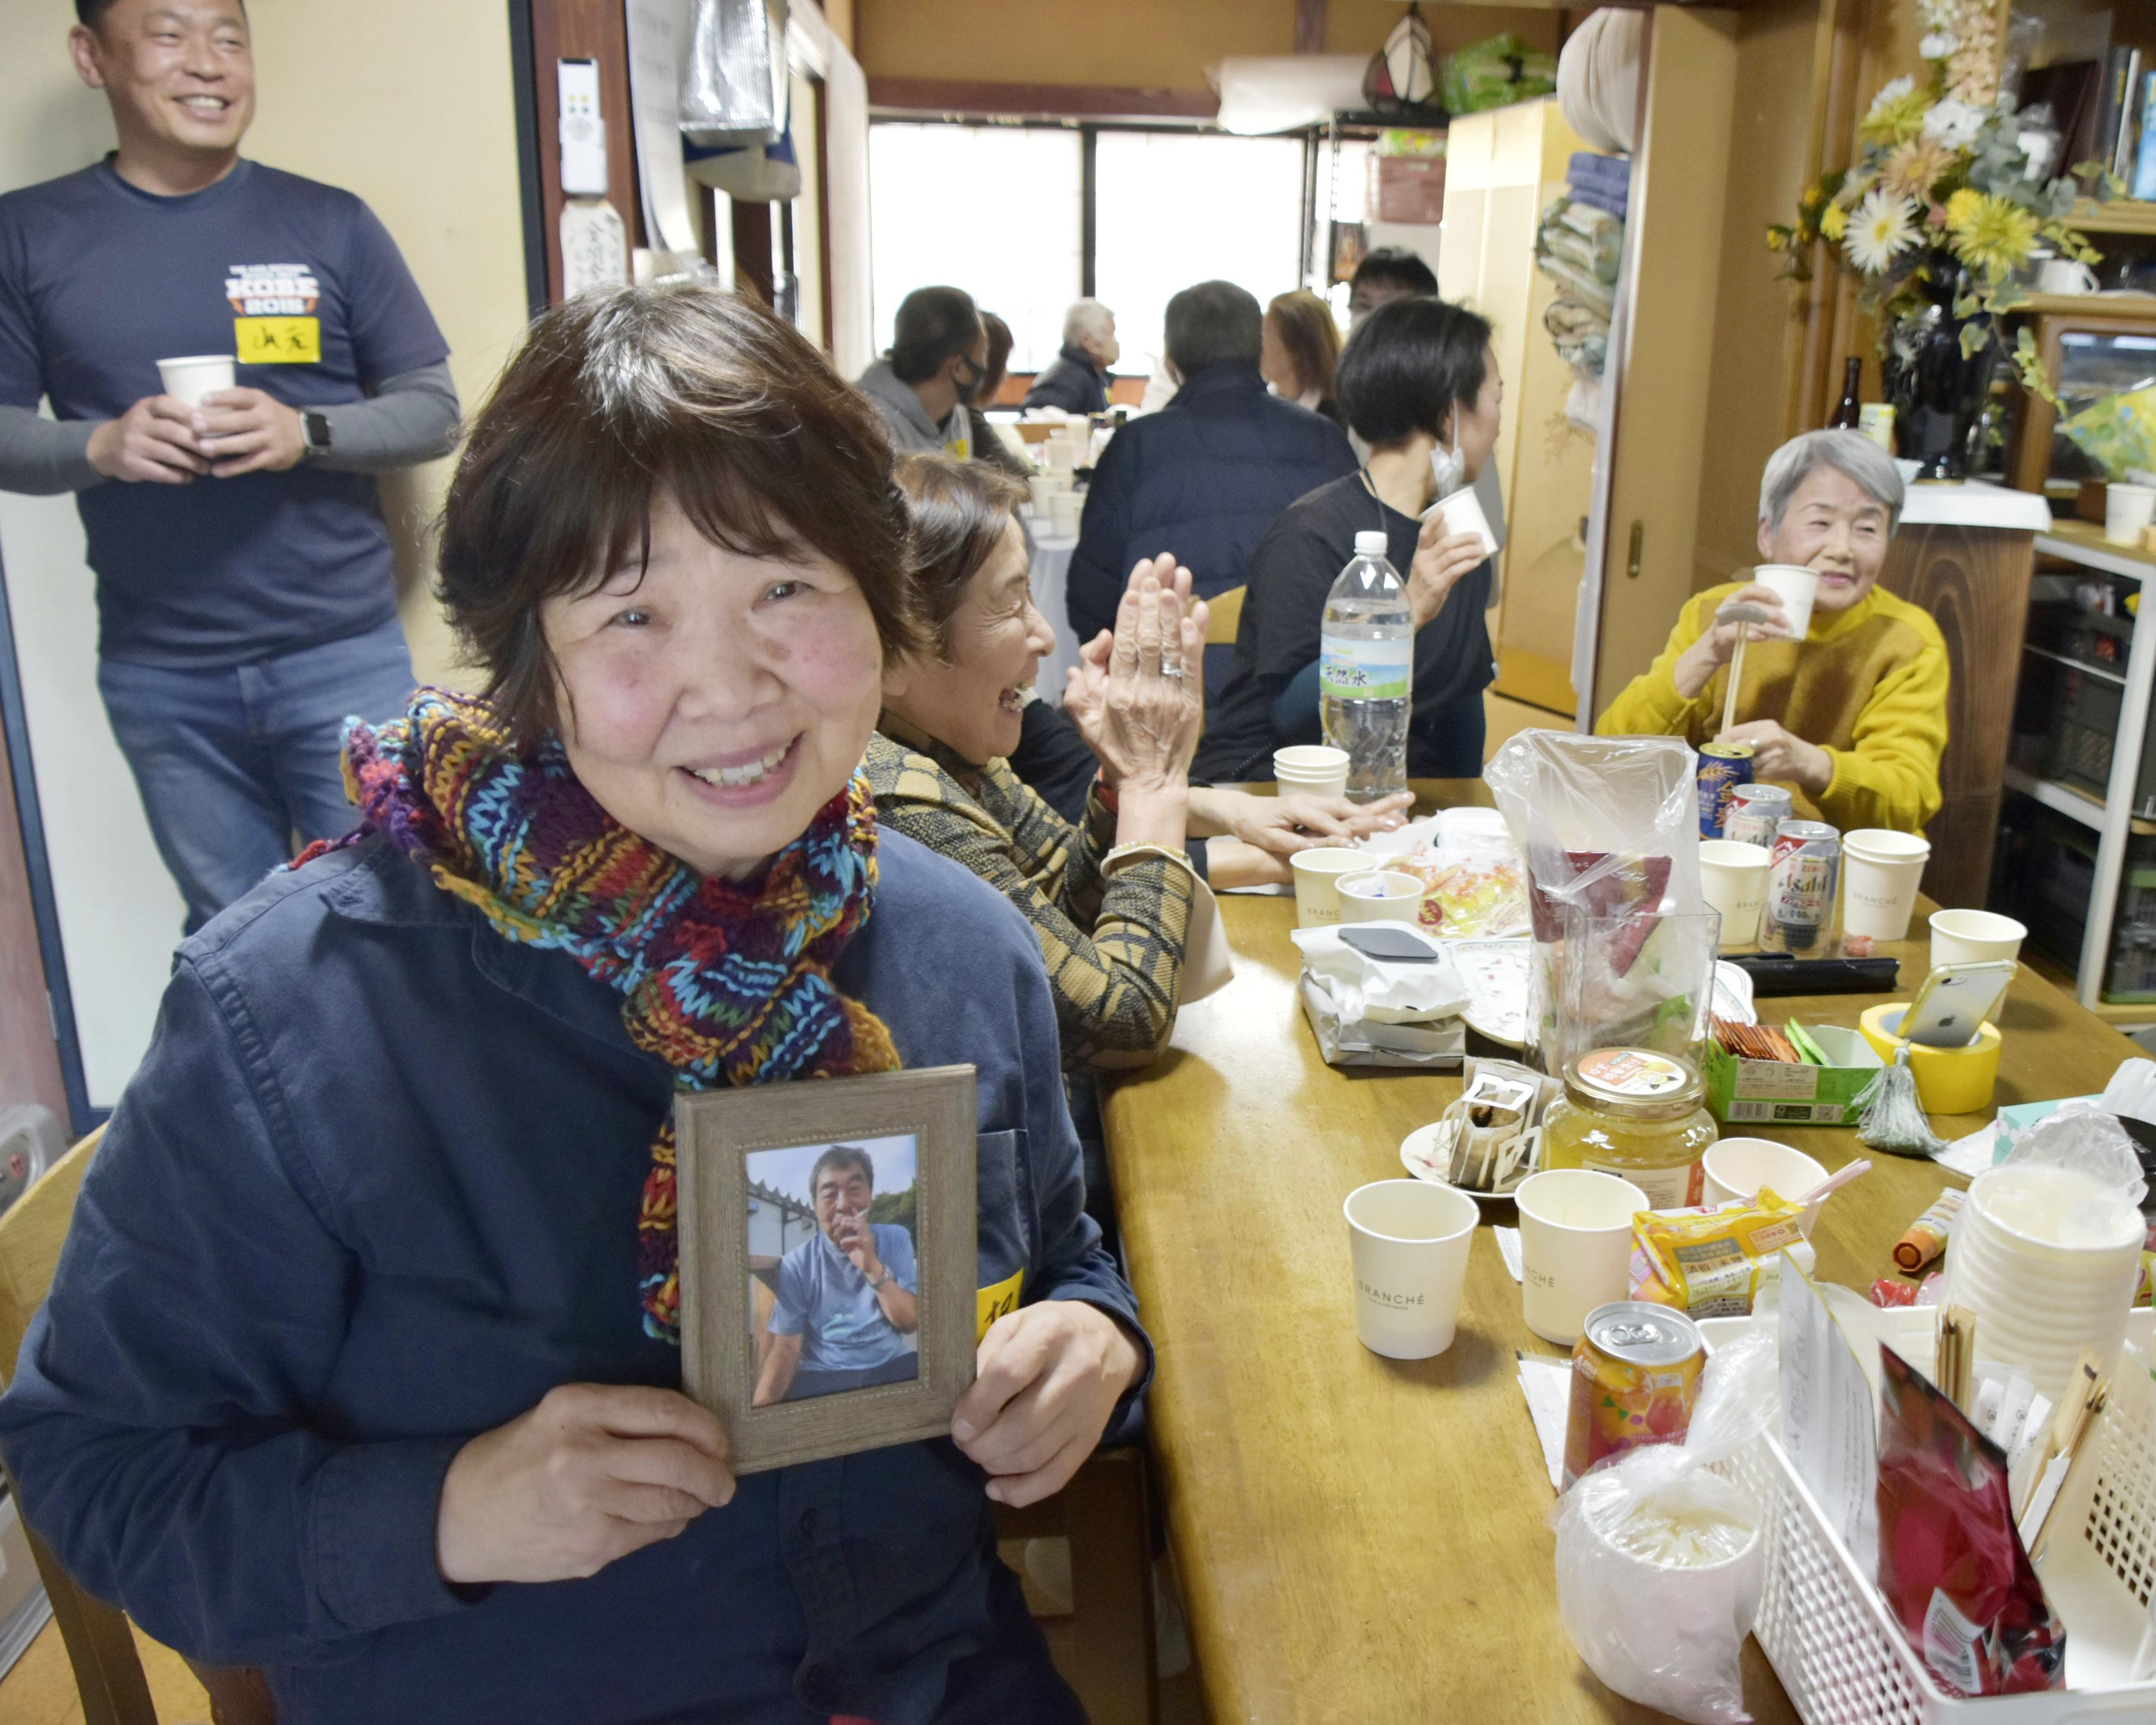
x=1051, y=575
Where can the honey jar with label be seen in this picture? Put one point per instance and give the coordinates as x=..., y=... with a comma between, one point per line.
x=1636, y=1114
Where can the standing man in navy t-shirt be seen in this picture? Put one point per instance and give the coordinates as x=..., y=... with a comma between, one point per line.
x=244, y=592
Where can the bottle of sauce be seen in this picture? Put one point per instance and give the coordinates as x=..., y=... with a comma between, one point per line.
x=1636, y=1114
x=1849, y=411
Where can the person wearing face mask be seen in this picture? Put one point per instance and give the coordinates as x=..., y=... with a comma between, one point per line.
x=1418, y=383
x=1853, y=718
x=1077, y=380
x=932, y=375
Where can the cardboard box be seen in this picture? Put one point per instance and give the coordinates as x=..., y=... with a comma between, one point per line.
x=1745, y=1093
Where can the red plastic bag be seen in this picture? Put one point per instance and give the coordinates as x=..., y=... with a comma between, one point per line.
x=1951, y=1563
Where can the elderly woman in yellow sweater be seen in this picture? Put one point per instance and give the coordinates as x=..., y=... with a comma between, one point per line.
x=1853, y=718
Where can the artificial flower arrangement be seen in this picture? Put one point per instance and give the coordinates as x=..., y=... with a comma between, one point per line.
x=1942, y=199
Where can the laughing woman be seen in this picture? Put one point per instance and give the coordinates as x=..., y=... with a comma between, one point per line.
x=361, y=1363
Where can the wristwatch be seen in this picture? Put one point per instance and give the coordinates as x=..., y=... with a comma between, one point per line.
x=882, y=1279
x=313, y=434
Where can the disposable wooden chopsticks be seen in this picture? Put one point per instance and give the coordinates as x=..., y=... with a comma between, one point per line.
x=1755, y=1042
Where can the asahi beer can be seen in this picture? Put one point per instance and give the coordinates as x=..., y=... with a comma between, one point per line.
x=1722, y=766
x=1798, y=918
x=1755, y=811
x=1634, y=1380
x=1876, y=420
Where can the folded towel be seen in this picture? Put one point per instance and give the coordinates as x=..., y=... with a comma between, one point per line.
x=1599, y=197
x=1588, y=168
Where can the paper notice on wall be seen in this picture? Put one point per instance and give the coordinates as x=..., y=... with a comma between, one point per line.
x=594, y=246
x=1827, y=1428
x=657, y=28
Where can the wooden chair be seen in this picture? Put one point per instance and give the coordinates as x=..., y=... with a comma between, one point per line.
x=1224, y=615
x=1105, y=1515
x=100, y=1645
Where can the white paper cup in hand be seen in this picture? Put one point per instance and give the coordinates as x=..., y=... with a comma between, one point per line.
x=1313, y=767
x=1733, y=879
x=1409, y=1242
x=1462, y=513
x=1796, y=587
x=1575, y=1246
x=1881, y=871
x=1317, y=873
x=1381, y=895
x=2126, y=510
x=190, y=379
x=1738, y=1167
x=1974, y=937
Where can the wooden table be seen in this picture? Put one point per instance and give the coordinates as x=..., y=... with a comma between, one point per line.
x=1361, y=1539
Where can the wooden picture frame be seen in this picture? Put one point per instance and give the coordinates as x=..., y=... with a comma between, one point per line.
x=770, y=1146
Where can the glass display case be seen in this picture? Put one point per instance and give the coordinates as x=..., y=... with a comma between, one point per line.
x=2089, y=355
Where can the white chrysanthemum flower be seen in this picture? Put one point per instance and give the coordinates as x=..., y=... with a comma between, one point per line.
x=1880, y=229
x=1937, y=45
x=1954, y=124
x=1891, y=92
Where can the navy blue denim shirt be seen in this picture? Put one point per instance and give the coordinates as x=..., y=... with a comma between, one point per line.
x=373, y=1191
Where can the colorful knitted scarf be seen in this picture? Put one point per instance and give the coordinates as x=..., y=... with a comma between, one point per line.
x=727, y=983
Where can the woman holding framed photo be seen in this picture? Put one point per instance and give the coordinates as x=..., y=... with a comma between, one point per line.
x=362, y=1366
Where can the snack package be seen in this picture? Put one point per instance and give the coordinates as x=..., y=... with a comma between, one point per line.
x=1661, y=1562
x=1478, y=893
x=1712, y=1263
x=1951, y=1563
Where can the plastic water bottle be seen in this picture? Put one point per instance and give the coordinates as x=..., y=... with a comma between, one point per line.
x=1366, y=670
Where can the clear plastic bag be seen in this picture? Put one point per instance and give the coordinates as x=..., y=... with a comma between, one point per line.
x=1660, y=1561
x=2086, y=1140
x=1609, y=828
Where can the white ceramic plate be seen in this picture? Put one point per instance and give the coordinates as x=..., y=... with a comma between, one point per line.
x=1495, y=976
x=1419, y=1154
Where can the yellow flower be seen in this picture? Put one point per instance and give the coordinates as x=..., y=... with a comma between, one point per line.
x=1894, y=119
x=1812, y=196
x=1834, y=223
x=1990, y=233
x=1911, y=168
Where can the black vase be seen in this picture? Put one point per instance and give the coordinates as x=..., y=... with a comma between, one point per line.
x=1937, y=392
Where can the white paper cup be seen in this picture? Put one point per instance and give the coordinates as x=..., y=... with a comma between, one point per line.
x=190, y=379
x=1796, y=587
x=1409, y=1240
x=1733, y=879
x=1060, y=455
x=2065, y=276
x=1317, y=873
x=1381, y=895
x=1462, y=513
x=1881, y=871
x=1065, y=510
x=1738, y=1167
x=1313, y=767
x=1575, y=1245
x=1046, y=487
x=1973, y=937
x=2126, y=510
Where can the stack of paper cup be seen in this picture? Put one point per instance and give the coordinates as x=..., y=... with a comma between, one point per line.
x=2048, y=1260
x=1733, y=879
x=1880, y=880
x=1066, y=509
x=1796, y=587
x=1312, y=766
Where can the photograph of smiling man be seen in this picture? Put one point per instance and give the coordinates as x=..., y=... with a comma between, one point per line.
x=834, y=1290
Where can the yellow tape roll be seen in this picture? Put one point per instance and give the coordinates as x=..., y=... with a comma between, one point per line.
x=1949, y=1080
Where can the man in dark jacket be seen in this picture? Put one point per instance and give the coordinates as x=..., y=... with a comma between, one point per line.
x=1077, y=380
x=1204, y=477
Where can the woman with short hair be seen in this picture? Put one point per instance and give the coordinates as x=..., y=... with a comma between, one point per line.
x=362, y=1363
x=1418, y=383
x=1301, y=350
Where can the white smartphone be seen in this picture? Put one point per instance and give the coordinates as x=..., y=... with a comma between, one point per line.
x=1954, y=1002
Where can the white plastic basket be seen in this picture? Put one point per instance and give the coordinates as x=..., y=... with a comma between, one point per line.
x=1843, y=1659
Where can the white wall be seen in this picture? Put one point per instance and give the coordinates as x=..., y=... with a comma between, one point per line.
x=410, y=105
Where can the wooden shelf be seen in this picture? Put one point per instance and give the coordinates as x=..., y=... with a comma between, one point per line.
x=2080, y=542
x=2081, y=304
x=2122, y=215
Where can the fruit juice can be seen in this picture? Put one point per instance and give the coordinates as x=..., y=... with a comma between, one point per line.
x=1634, y=1378
x=1722, y=766
x=1876, y=420
x=1755, y=810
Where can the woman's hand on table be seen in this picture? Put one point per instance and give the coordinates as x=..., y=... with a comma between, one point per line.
x=1287, y=824
x=1777, y=755
x=1048, y=1375
x=1442, y=562
x=1697, y=663
x=591, y=1474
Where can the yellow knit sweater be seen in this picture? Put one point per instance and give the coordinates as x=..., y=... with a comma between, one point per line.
x=1867, y=685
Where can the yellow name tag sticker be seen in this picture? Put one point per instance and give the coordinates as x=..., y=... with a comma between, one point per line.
x=278, y=341
x=995, y=1302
